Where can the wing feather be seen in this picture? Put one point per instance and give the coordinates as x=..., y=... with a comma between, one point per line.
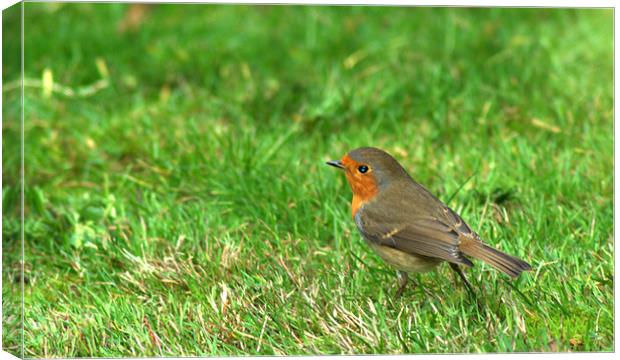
x=423, y=225
x=427, y=236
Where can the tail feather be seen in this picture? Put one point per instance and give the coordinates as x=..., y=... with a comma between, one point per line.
x=505, y=263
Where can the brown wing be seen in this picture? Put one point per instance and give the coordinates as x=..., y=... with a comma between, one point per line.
x=428, y=237
x=425, y=227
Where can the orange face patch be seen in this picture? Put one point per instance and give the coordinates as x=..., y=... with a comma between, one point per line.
x=364, y=186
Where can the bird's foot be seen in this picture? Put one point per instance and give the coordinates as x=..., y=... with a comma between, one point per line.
x=460, y=273
x=402, y=282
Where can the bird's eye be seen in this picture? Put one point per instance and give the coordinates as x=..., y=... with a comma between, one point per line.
x=362, y=169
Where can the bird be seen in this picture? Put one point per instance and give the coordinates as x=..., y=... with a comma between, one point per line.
x=407, y=226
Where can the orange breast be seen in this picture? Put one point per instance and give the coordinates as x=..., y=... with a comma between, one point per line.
x=356, y=204
x=362, y=195
x=364, y=186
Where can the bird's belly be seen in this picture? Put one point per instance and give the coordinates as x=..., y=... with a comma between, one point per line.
x=404, y=261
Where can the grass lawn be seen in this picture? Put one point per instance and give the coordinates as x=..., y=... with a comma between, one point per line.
x=177, y=201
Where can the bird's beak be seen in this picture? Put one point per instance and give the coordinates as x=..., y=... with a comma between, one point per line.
x=335, y=163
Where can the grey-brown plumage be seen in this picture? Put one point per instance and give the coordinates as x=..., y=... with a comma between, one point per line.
x=419, y=223
x=407, y=225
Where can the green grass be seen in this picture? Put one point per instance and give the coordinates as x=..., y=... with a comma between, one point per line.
x=185, y=208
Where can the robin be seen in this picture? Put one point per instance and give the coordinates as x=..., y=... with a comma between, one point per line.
x=409, y=227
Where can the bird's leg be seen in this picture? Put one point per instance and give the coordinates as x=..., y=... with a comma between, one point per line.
x=458, y=270
x=402, y=282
